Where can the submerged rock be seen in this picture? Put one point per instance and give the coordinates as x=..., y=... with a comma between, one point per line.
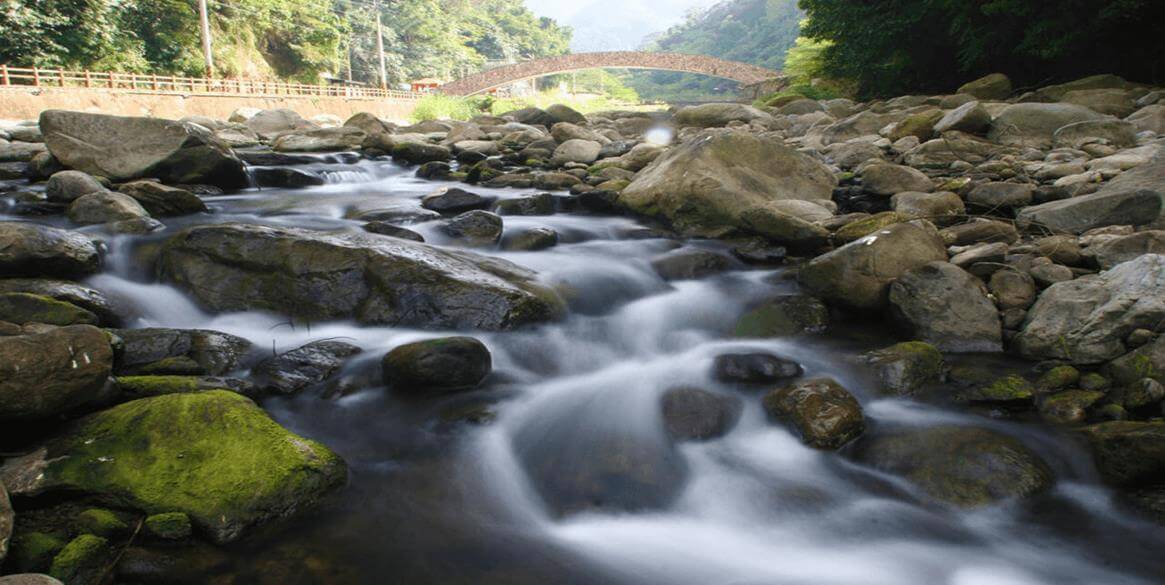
x=963, y=466
x=822, y=413
x=296, y=370
x=376, y=280
x=693, y=414
x=905, y=368
x=784, y=316
x=1128, y=453
x=148, y=454
x=754, y=368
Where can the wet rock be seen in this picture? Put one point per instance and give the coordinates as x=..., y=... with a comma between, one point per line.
x=123, y=149
x=692, y=414
x=403, y=213
x=476, y=228
x=33, y=250
x=754, y=368
x=760, y=251
x=6, y=521
x=1010, y=390
x=105, y=207
x=163, y=201
x=702, y=186
x=962, y=466
x=1034, y=125
x=67, y=186
x=28, y=579
x=530, y=239
x=1087, y=320
x=717, y=115
x=437, y=365
x=83, y=560
x=320, y=140
x=387, y=229
x=23, y=308
x=1139, y=394
x=820, y=411
x=168, y=526
x=689, y=264
x=888, y=179
x=1147, y=361
x=541, y=204
x=858, y=275
x=84, y=297
x=196, y=352
x=942, y=304
x=134, y=387
x=783, y=228
x=1070, y=407
x=325, y=275
x=49, y=374
x=453, y=200
x=420, y=152
x=285, y=178
x=247, y=468
x=299, y=369
x=995, y=86
x=1128, y=453
x=906, y=368
x=784, y=316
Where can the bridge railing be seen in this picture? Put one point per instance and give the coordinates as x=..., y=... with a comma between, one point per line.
x=25, y=77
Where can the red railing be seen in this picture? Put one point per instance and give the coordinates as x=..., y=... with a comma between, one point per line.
x=21, y=77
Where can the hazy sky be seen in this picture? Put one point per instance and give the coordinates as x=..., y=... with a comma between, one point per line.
x=669, y=11
x=614, y=24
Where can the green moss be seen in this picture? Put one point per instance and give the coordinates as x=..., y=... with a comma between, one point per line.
x=1011, y=388
x=177, y=365
x=22, y=308
x=784, y=316
x=81, y=559
x=861, y=228
x=1094, y=381
x=215, y=456
x=1142, y=366
x=1068, y=407
x=142, y=386
x=100, y=522
x=616, y=185
x=169, y=526
x=905, y=368
x=1058, y=378
x=33, y=552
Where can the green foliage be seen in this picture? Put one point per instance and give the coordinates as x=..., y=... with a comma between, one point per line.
x=804, y=90
x=751, y=31
x=805, y=60
x=904, y=46
x=444, y=107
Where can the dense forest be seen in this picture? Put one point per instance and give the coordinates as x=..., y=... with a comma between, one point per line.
x=297, y=39
x=918, y=46
x=753, y=31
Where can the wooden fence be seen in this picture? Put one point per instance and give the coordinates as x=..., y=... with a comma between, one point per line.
x=20, y=77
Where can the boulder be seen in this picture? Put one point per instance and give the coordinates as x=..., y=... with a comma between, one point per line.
x=420, y=152
x=344, y=275
x=576, y=151
x=1149, y=119
x=105, y=207
x=530, y=239
x=124, y=148
x=33, y=250
x=1109, y=206
x=28, y=579
x=906, y=368
x=67, y=186
x=952, y=148
x=888, y=179
x=1147, y=361
x=437, y=365
x=716, y=115
x=962, y=466
x=943, y=305
x=46, y=375
x=246, y=467
x=455, y=200
x=1128, y=453
x=822, y=413
x=475, y=228
x=784, y=316
x=754, y=368
x=862, y=124
x=163, y=201
x=75, y=294
x=24, y=308
x=1110, y=252
x=702, y=186
x=940, y=208
x=190, y=352
x=370, y=124
x=269, y=124
x=689, y=264
x=970, y=117
x=1086, y=321
x=1114, y=133
x=320, y=140
x=995, y=86
x=1034, y=125
x=297, y=370
x=1012, y=289
x=783, y=228
x=858, y=275
x=692, y=414
x=564, y=131
x=1001, y=196
x=561, y=113
x=1109, y=101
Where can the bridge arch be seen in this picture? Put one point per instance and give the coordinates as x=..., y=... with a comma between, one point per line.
x=699, y=64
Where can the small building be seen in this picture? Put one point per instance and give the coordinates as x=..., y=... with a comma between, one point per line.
x=426, y=85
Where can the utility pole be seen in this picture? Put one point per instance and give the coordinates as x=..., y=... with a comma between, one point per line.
x=380, y=48
x=204, y=20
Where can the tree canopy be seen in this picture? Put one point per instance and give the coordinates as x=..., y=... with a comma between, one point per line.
x=903, y=46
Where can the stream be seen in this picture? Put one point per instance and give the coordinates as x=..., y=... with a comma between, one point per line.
x=438, y=491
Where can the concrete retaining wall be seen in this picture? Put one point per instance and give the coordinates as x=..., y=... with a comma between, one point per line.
x=28, y=103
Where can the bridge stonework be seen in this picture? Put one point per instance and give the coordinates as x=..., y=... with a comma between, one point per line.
x=700, y=64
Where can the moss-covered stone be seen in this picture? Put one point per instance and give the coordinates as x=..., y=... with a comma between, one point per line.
x=169, y=526
x=856, y=230
x=905, y=368
x=157, y=385
x=1058, y=378
x=171, y=366
x=22, y=308
x=215, y=456
x=1011, y=389
x=1094, y=381
x=83, y=560
x=784, y=316
x=101, y=523
x=1128, y=453
x=1069, y=407
x=33, y=552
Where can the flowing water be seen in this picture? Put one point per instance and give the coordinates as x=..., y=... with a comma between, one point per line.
x=438, y=492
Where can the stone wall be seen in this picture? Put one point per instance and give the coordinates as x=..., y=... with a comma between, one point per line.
x=27, y=103
x=699, y=64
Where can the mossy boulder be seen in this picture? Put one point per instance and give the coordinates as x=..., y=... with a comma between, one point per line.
x=1147, y=361
x=906, y=368
x=35, y=250
x=1058, y=378
x=101, y=522
x=214, y=456
x=437, y=365
x=703, y=185
x=1068, y=407
x=856, y=230
x=376, y=280
x=147, y=386
x=83, y=560
x=1013, y=389
x=22, y=308
x=46, y=375
x=181, y=352
x=419, y=152
x=963, y=466
x=821, y=412
x=169, y=526
x=1128, y=453
x=34, y=551
x=784, y=316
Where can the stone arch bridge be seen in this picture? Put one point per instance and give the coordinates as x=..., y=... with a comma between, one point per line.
x=700, y=64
